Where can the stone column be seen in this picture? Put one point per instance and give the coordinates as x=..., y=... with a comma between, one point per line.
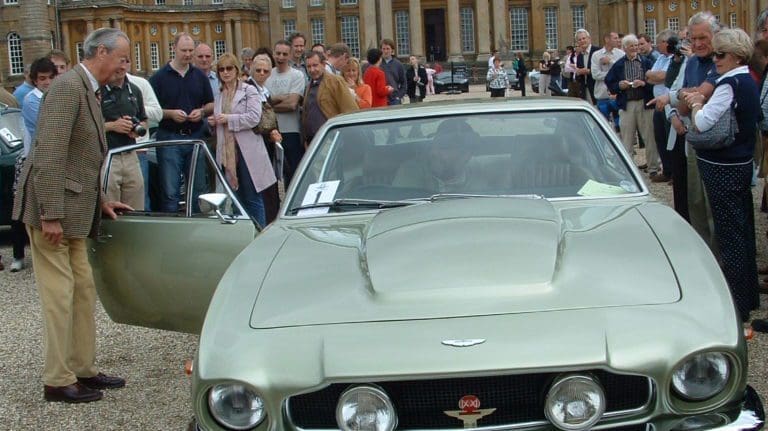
x=88, y=27
x=146, y=59
x=565, y=28
x=631, y=17
x=208, y=37
x=302, y=19
x=417, y=29
x=454, y=32
x=641, y=19
x=228, y=34
x=369, y=36
x=163, y=48
x=66, y=45
x=331, y=31
x=116, y=23
x=275, y=29
x=185, y=27
x=483, y=36
x=500, y=21
x=238, y=37
x=385, y=18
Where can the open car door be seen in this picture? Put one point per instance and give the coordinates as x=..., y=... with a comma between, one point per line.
x=159, y=269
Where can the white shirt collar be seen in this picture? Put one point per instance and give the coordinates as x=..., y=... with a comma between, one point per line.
x=734, y=71
x=94, y=82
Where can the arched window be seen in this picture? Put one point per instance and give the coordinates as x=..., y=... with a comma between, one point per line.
x=14, y=54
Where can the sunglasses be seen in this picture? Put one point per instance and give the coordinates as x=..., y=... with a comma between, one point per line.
x=719, y=55
x=226, y=68
x=260, y=70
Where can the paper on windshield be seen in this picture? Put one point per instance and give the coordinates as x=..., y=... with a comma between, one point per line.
x=594, y=188
x=319, y=193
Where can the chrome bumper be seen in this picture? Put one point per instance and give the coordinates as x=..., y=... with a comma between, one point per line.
x=751, y=417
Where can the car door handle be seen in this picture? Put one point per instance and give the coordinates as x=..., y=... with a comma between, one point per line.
x=101, y=239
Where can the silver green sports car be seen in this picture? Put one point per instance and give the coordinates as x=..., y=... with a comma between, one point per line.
x=491, y=265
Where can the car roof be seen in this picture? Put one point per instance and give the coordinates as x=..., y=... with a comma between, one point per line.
x=461, y=107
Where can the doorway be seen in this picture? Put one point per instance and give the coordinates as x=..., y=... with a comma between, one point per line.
x=434, y=29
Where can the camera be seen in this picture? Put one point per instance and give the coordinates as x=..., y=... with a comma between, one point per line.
x=137, y=127
x=674, y=44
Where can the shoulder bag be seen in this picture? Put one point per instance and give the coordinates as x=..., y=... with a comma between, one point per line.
x=268, y=120
x=721, y=135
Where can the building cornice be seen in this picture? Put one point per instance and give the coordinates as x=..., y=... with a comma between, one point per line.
x=175, y=8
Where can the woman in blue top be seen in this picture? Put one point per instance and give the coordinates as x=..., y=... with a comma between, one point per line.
x=727, y=172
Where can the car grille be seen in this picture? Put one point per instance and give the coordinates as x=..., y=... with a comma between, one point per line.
x=420, y=404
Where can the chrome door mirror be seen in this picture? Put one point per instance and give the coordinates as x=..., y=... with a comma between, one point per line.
x=213, y=202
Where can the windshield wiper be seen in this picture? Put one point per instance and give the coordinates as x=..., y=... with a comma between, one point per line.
x=345, y=204
x=445, y=196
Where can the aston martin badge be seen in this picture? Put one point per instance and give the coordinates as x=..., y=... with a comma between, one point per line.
x=470, y=411
x=465, y=342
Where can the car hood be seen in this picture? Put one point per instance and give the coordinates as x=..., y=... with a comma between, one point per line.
x=464, y=257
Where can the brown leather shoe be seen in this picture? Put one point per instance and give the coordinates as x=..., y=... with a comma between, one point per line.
x=74, y=393
x=101, y=381
x=762, y=270
x=660, y=178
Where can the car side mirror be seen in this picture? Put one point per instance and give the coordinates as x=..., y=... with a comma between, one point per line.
x=212, y=202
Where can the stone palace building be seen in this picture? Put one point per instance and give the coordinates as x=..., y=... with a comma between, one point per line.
x=435, y=30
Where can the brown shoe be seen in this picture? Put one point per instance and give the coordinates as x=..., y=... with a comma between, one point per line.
x=74, y=393
x=660, y=178
x=101, y=381
x=762, y=270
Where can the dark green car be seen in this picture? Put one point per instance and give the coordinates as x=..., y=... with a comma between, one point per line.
x=492, y=265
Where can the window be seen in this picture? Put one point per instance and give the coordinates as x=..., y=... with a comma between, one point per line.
x=289, y=27
x=519, y=20
x=79, y=51
x=11, y=2
x=217, y=1
x=137, y=56
x=673, y=23
x=219, y=28
x=650, y=27
x=188, y=3
x=160, y=2
x=171, y=51
x=219, y=48
x=467, y=17
x=734, y=21
x=403, y=32
x=289, y=4
x=318, y=30
x=347, y=2
x=53, y=40
x=154, y=56
x=350, y=33
x=578, y=18
x=15, y=54
x=550, y=27
x=315, y=2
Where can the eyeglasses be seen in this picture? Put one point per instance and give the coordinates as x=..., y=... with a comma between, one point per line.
x=260, y=70
x=226, y=68
x=719, y=55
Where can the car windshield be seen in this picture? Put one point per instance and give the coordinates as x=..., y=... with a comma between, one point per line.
x=563, y=154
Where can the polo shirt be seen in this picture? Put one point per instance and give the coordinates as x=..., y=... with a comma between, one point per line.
x=117, y=102
x=186, y=92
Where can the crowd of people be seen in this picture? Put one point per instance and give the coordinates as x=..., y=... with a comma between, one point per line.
x=72, y=115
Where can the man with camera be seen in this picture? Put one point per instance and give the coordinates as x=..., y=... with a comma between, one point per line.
x=122, y=106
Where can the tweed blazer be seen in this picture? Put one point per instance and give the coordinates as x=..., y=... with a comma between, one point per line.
x=60, y=178
x=333, y=97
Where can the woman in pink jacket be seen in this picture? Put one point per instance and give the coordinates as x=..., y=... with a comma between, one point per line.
x=239, y=151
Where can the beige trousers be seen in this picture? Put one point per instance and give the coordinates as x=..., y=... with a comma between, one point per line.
x=68, y=298
x=636, y=119
x=126, y=182
x=699, y=211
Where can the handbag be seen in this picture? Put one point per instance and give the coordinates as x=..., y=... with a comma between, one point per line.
x=721, y=135
x=268, y=121
x=575, y=89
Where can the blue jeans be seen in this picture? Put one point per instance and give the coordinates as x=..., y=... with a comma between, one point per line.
x=144, y=164
x=174, y=163
x=246, y=192
x=608, y=107
x=293, y=149
x=391, y=102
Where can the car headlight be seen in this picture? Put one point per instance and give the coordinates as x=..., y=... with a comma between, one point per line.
x=236, y=406
x=575, y=402
x=365, y=408
x=702, y=376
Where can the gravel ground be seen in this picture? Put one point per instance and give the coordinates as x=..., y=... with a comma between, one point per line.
x=157, y=393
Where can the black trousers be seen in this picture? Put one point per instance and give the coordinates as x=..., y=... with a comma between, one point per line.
x=661, y=128
x=680, y=178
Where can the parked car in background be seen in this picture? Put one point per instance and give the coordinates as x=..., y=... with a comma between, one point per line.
x=495, y=264
x=444, y=81
x=11, y=145
x=533, y=77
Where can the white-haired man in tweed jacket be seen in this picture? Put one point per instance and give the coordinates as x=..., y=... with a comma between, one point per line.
x=59, y=200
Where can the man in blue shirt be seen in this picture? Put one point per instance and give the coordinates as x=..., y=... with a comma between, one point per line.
x=394, y=71
x=22, y=90
x=656, y=76
x=186, y=97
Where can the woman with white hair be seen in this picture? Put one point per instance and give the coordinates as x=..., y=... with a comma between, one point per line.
x=727, y=172
x=544, y=76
